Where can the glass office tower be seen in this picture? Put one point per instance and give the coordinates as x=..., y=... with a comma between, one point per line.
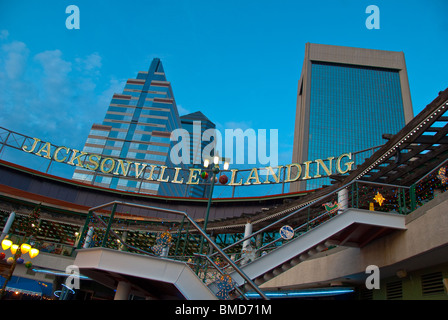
x=137, y=127
x=347, y=99
x=196, y=124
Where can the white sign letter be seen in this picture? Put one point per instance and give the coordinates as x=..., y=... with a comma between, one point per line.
x=72, y=281
x=373, y=21
x=72, y=21
x=373, y=281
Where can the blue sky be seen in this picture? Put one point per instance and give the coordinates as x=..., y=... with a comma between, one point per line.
x=238, y=62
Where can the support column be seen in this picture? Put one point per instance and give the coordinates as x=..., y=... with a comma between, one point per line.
x=8, y=225
x=247, y=232
x=343, y=200
x=259, y=243
x=412, y=197
x=165, y=251
x=124, y=237
x=88, y=238
x=109, y=224
x=246, y=244
x=123, y=291
x=83, y=236
x=210, y=248
x=78, y=238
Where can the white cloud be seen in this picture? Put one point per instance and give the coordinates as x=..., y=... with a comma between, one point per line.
x=114, y=86
x=53, y=64
x=91, y=63
x=15, y=57
x=47, y=96
x=182, y=111
x=4, y=34
x=243, y=125
x=55, y=85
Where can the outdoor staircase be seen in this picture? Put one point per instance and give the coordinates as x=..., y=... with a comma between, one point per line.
x=353, y=227
x=166, y=278
x=151, y=277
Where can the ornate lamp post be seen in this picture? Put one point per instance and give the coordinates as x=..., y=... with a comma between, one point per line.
x=22, y=248
x=17, y=251
x=215, y=172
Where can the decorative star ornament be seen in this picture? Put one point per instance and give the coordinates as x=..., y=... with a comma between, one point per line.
x=442, y=175
x=225, y=285
x=379, y=198
x=162, y=241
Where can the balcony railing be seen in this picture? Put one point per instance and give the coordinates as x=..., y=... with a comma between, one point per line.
x=179, y=237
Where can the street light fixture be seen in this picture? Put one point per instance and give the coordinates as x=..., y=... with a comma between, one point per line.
x=215, y=171
x=17, y=251
x=33, y=253
x=14, y=248
x=24, y=248
x=6, y=244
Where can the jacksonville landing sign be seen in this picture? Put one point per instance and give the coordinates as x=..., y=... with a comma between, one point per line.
x=118, y=167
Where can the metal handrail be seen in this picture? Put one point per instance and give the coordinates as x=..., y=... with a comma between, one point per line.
x=196, y=226
x=220, y=271
x=121, y=239
x=280, y=239
x=284, y=218
x=430, y=172
x=312, y=202
x=295, y=230
x=382, y=184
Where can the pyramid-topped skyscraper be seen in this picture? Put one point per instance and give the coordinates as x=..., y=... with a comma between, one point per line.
x=137, y=128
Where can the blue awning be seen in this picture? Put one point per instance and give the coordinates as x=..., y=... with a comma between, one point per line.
x=28, y=286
